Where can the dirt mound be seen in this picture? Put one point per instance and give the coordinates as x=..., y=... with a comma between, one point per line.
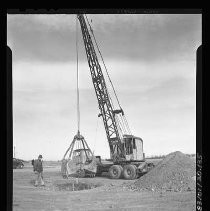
x=174, y=173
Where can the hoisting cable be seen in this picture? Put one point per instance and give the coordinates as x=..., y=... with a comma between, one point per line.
x=94, y=146
x=101, y=56
x=123, y=118
x=126, y=123
x=103, y=61
x=119, y=125
x=78, y=108
x=123, y=124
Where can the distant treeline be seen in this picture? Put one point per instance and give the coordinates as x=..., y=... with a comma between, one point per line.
x=156, y=157
x=163, y=156
x=104, y=159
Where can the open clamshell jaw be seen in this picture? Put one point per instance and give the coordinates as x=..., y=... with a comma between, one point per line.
x=78, y=160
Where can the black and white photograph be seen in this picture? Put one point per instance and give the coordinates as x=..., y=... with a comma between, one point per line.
x=104, y=110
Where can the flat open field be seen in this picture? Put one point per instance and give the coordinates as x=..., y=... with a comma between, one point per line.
x=109, y=195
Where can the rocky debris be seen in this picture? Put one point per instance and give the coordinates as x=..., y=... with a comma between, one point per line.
x=176, y=172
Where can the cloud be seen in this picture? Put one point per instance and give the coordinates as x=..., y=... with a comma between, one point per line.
x=150, y=59
x=158, y=100
x=42, y=38
x=51, y=38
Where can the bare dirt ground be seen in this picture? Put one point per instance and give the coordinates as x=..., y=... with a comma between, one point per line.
x=109, y=195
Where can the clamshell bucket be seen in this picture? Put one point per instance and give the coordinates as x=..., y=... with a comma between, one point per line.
x=78, y=160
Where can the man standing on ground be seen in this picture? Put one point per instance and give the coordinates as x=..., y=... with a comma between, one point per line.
x=38, y=169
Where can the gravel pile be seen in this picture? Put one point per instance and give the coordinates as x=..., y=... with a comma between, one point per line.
x=176, y=172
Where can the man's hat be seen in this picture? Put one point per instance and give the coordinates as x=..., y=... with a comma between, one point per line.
x=40, y=156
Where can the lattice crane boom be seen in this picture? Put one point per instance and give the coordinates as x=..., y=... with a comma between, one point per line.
x=106, y=109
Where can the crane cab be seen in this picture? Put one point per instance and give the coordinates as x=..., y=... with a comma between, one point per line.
x=133, y=148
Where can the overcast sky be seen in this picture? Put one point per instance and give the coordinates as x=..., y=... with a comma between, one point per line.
x=151, y=60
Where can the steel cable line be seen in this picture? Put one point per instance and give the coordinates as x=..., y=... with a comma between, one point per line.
x=78, y=108
x=125, y=120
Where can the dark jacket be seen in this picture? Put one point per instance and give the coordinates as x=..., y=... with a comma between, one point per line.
x=38, y=166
